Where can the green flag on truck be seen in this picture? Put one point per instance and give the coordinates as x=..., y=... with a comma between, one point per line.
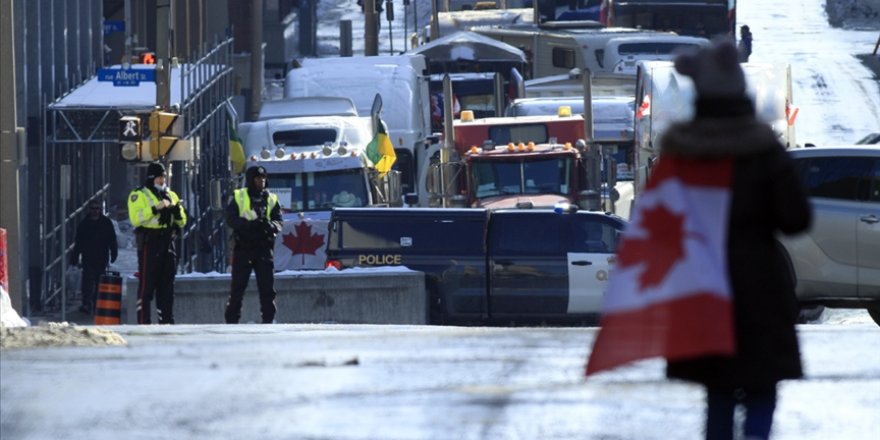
x=380, y=150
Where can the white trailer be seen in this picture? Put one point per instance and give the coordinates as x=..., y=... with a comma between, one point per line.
x=663, y=97
x=401, y=82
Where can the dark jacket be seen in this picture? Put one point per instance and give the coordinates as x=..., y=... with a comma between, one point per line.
x=767, y=198
x=259, y=233
x=96, y=242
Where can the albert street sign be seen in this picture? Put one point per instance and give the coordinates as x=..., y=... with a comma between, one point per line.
x=126, y=77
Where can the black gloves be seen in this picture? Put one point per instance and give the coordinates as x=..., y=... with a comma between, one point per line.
x=177, y=211
x=165, y=216
x=267, y=228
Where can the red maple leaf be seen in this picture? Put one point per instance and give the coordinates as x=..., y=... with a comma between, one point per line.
x=659, y=251
x=303, y=241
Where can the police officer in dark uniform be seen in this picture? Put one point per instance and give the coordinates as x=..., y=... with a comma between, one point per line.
x=254, y=215
x=158, y=216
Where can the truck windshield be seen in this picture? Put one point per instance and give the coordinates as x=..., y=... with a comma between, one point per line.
x=320, y=191
x=542, y=176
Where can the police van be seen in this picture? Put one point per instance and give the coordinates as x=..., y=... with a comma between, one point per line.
x=509, y=266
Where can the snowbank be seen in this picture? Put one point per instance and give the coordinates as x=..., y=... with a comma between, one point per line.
x=8, y=315
x=56, y=334
x=15, y=333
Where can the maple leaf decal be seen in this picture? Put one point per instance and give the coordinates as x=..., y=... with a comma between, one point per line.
x=303, y=241
x=663, y=247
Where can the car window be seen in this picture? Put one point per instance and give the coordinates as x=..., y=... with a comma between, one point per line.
x=532, y=235
x=593, y=234
x=835, y=177
x=420, y=235
x=873, y=183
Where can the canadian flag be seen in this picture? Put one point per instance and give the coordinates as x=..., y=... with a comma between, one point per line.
x=670, y=294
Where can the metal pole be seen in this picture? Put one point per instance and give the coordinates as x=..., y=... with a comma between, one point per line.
x=405, y=24
x=435, y=21
x=388, y=6
x=126, y=60
x=163, y=51
x=345, y=37
x=10, y=217
x=64, y=189
x=448, y=141
x=371, y=32
x=256, y=58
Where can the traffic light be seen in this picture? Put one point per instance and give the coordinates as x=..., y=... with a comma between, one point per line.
x=147, y=58
x=130, y=138
x=166, y=129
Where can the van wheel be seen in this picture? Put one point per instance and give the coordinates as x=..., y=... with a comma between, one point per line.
x=874, y=311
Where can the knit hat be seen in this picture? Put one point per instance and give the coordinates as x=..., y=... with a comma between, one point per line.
x=715, y=71
x=155, y=170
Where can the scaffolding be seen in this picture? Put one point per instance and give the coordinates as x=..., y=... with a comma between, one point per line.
x=80, y=162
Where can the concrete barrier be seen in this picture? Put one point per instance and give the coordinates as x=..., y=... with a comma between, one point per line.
x=387, y=296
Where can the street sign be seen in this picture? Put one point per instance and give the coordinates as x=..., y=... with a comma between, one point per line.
x=126, y=77
x=112, y=26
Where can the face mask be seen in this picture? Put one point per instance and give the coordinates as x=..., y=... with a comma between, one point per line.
x=160, y=187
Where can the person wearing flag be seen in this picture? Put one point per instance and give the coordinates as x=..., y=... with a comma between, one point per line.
x=700, y=277
x=254, y=215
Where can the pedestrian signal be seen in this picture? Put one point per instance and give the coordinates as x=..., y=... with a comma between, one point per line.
x=148, y=58
x=130, y=129
x=130, y=136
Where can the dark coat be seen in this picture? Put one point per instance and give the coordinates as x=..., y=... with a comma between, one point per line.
x=96, y=242
x=767, y=198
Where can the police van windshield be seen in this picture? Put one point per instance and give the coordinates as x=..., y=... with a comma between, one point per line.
x=320, y=191
x=497, y=178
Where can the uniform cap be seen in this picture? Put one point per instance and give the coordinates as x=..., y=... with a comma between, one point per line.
x=155, y=170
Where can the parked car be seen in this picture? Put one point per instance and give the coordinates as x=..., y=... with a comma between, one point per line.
x=837, y=263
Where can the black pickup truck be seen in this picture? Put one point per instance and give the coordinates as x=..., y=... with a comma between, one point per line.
x=512, y=266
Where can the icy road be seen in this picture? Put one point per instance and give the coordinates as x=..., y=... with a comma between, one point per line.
x=392, y=382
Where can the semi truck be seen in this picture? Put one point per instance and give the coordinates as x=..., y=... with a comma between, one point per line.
x=314, y=151
x=520, y=266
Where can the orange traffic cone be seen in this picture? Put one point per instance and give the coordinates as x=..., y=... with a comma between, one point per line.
x=108, y=310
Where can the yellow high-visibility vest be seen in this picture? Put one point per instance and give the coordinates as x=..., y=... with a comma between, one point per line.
x=243, y=200
x=140, y=209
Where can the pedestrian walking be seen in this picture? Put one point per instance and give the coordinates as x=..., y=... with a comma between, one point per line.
x=700, y=278
x=96, y=242
x=745, y=44
x=767, y=198
x=254, y=215
x=158, y=216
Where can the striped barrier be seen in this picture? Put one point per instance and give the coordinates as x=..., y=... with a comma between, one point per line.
x=108, y=309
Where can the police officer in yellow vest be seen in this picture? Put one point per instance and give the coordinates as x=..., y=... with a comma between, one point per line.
x=254, y=215
x=157, y=215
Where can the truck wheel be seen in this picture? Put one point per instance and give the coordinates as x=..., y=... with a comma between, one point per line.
x=874, y=311
x=810, y=314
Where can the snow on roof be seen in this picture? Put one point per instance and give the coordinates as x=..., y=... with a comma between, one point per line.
x=95, y=94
